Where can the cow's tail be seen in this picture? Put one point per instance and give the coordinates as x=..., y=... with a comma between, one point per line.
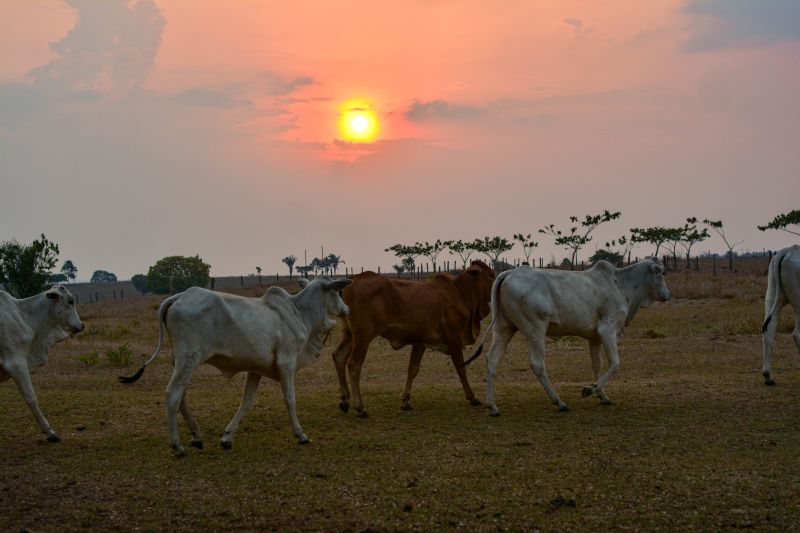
x=494, y=305
x=162, y=317
x=774, y=288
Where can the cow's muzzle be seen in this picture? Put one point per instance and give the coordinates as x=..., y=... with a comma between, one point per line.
x=77, y=329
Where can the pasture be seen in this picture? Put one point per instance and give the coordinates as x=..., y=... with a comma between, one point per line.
x=694, y=439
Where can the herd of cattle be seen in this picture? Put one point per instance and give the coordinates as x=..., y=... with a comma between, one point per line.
x=279, y=333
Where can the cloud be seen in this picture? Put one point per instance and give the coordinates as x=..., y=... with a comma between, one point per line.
x=579, y=31
x=420, y=111
x=112, y=46
x=275, y=84
x=209, y=98
x=726, y=23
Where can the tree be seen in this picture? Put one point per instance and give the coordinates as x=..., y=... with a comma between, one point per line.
x=656, y=235
x=177, y=273
x=57, y=278
x=409, y=264
x=783, y=221
x=578, y=235
x=462, y=249
x=492, y=247
x=527, y=245
x=432, y=251
x=69, y=270
x=139, y=281
x=332, y=261
x=290, y=260
x=691, y=237
x=304, y=270
x=674, y=237
x=399, y=269
x=26, y=269
x=622, y=246
x=405, y=252
x=716, y=225
x=615, y=258
x=101, y=276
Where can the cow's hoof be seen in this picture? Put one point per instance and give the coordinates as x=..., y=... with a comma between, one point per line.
x=226, y=444
x=494, y=412
x=363, y=414
x=304, y=440
x=344, y=406
x=197, y=443
x=475, y=401
x=406, y=407
x=53, y=437
x=606, y=402
x=563, y=408
x=587, y=391
x=179, y=452
x=769, y=382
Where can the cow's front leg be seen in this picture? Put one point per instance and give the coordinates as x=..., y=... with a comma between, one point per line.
x=608, y=337
x=457, y=356
x=21, y=375
x=248, y=396
x=287, y=384
x=536, y=347
x=597, y=367
x=413, y=368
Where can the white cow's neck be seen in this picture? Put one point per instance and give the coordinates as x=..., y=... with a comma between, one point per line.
x=632, y=286
x=314, y=317
x=36, y=310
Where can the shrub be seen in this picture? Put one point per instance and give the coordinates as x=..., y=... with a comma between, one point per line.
x=121, y=356
x=89, y=359
x=177, y=273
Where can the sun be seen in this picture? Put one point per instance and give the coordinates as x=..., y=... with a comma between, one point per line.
x=358, y=121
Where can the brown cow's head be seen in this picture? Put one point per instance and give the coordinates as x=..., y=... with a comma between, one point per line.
x=475, y=286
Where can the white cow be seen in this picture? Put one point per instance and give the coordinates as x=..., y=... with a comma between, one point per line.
x=271, y=336
x=783, y=286
x=595, y=304
x=28, y=329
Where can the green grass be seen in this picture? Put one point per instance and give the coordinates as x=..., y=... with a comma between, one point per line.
x=694, y=439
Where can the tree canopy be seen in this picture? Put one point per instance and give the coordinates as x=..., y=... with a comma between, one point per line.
x=25, y=269
x=177, y=273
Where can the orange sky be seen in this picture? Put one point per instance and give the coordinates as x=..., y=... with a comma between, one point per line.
x=175, y=127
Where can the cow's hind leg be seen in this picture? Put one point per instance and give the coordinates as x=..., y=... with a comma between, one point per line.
x=21, y=376
x=248, y=396
x=768, y=337
x=536, y=346
x=413, y=368
x=608, y=336
x=597, y=367
x=287, y=374
x=176, y=388
x=501, y=336
x=197, y=434
x=340, y=356
x=354, y=364
x=457, y=356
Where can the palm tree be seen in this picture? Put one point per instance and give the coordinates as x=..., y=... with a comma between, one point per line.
x=290, y=261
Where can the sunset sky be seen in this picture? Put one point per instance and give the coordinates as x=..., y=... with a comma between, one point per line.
x=132, y=130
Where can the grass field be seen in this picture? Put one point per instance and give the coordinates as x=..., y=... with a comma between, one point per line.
x=694, y=439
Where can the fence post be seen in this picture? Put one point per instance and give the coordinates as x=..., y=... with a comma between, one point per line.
x=96, y=296
x=379, y=270
x=115, y=294
x=121, y=294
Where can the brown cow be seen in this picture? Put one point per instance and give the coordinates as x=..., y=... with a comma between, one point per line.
x=443, y=314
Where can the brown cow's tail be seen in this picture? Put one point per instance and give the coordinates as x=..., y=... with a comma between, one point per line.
x=162, y=317
x=494, y=306
x=775, y=288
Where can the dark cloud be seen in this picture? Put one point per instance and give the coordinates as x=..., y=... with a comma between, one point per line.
x=209, y=98
x=724, y=23
x=115, y=40
x=420, y=111
x=580, y=31
x=275, y=84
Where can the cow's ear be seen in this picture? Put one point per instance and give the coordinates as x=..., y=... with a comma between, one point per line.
x=303, y=282
x=655, y=268
x=337, y=284
x=53, y=295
